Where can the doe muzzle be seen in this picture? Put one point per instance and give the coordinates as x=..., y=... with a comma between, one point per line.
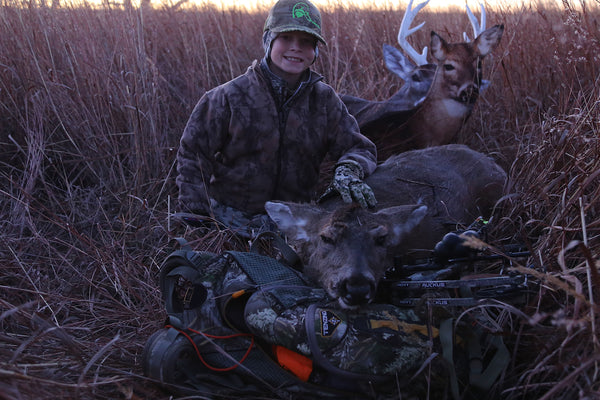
x=358, y=289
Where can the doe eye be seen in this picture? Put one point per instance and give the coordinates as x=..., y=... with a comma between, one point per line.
x=448, y=67
x=327, y=239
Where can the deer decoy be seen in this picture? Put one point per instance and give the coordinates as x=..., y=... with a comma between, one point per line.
x=436, y=98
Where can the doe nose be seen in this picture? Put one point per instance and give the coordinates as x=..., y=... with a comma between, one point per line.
x=359, y=289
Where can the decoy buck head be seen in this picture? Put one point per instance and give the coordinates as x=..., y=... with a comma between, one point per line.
x=437, y=98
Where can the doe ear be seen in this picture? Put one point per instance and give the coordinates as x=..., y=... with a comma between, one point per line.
x=404, y=219
x=292, y=219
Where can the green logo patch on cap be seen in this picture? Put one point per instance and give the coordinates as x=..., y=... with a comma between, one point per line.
x=301, y=10
x=295, y=15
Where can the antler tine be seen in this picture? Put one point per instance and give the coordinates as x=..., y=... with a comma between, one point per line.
x=406, y=30
x=477, y=29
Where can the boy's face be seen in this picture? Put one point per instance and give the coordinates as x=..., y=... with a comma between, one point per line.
x=292, y=53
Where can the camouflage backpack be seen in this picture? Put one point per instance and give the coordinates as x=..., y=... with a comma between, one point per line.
x=242, y=323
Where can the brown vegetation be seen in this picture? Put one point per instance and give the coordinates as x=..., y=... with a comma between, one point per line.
x=92, y=104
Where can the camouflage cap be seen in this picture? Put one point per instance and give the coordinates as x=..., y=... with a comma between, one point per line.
x=294, y=15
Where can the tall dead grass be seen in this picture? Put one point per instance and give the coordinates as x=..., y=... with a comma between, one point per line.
x=93, y=102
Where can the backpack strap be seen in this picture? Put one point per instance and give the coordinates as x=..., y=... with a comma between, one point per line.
x=289, y=255
x=193, y=296
x=447, y=342
x=478, y=376
x=185, y=265
x=183, y=243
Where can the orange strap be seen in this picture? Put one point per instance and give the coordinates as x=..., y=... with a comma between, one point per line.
x=296, y=363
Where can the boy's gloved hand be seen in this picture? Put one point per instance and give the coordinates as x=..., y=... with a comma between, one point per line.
x=229, y=216
x=245, y=225
x=347, y=180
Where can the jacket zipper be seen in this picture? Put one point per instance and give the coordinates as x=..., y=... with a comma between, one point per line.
x=283, y=116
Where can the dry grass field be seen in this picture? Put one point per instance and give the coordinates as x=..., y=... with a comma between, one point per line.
x=92, y=105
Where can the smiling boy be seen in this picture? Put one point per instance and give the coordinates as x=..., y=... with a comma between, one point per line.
x=263, y=135
x=292, y=53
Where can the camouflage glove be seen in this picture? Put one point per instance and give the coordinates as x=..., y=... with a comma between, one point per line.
x=229, y=216
x=245, y=225
x=347, y=180
x=261, y=223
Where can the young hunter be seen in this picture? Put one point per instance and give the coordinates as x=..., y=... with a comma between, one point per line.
x=263, y=135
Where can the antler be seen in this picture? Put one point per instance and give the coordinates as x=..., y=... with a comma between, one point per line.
x=477, y=29
x=406, y=30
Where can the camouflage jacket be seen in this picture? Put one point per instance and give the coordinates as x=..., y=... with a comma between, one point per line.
x=242, y=147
